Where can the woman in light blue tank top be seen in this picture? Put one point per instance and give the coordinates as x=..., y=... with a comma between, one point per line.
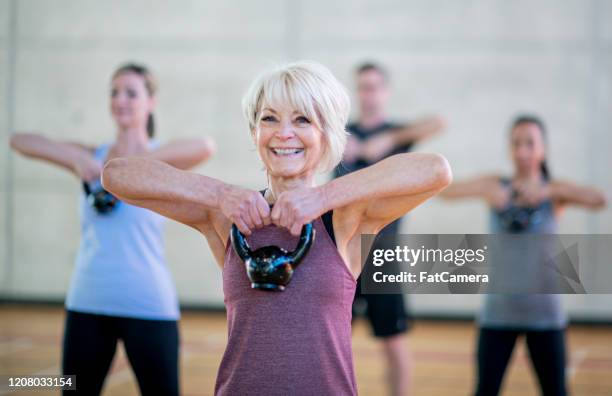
x=529, y=202
x=121, y=288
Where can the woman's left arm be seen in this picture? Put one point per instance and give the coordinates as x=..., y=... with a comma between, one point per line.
x=366, y=200
x=566, y=193
x=383, y=192
x=184, y=153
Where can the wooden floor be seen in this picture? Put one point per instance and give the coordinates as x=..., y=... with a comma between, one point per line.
x=443, y=354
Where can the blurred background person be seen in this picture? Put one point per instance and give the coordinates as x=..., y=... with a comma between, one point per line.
x=530, y=201
x=121, y=289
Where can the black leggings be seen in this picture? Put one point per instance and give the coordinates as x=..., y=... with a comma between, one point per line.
x=151, y=346
x=546, y=349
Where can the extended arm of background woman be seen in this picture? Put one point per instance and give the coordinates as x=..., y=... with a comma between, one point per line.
x=79, y=159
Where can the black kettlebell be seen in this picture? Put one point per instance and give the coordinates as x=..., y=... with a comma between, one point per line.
x=101, y=200
x=271, y=267
x=517, y=219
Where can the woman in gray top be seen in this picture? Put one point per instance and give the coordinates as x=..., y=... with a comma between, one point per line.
x=528, y=202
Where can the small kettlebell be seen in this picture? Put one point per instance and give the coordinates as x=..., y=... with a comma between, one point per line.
x=271, y=267
x=517, y=219
x=101, y=200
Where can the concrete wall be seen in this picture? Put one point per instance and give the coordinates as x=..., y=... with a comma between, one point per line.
x=476, y=62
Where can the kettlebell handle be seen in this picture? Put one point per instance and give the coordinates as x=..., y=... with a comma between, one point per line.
x=302, y=247
x=242, y=248
x=86, y=188
x=240, y=244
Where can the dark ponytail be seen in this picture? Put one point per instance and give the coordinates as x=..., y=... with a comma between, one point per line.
x=533, y=119
x=150, y=84
x=544, y=169
x=150, y=126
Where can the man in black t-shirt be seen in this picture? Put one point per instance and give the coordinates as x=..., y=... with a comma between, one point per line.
x=372, y=139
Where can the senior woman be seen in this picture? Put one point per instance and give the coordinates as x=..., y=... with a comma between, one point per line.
x=297, y=341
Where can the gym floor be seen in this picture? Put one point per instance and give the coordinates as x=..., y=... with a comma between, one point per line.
x=443, y=353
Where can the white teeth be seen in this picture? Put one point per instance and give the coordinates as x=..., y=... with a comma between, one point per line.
x=287, y=151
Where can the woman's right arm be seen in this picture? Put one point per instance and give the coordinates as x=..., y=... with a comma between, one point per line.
x=487, y=188
x=72, y=157
x=184, y=196
x=204, y=203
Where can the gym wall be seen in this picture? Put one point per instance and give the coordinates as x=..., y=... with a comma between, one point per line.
x=477, y=63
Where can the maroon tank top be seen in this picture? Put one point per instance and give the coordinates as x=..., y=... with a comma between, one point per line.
x=294, y=342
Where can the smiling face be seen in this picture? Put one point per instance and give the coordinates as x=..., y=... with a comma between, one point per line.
x=528, y=148
x=297, y=114
x=288, y=142
x=131, y=102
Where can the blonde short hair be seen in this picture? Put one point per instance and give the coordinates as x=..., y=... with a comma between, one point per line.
x=310, y=88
